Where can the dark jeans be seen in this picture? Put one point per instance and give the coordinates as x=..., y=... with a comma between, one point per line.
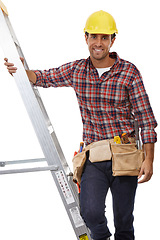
x=96, y=180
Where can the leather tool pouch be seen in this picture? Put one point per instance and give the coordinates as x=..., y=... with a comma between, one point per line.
x=78, y=165
x=98, y=152
x=126, y=159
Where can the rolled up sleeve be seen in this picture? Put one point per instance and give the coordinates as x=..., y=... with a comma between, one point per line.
x=142, y=110
x=55, y=77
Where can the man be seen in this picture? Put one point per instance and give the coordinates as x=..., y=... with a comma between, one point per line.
x=110, y=94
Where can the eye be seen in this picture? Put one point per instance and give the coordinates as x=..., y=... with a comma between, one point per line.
x=105, y=37
x=93, y=36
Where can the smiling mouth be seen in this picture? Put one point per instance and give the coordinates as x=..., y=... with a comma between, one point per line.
x=97, y=50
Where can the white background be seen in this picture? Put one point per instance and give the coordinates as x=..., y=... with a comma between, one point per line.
x=50, y=34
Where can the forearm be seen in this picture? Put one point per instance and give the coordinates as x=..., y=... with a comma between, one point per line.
x=149, y=152
x=32, y=76
x=147, y=166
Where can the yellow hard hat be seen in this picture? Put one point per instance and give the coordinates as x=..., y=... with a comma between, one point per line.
x=101, y=23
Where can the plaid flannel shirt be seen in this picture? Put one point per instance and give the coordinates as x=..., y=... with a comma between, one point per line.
x=108, y=104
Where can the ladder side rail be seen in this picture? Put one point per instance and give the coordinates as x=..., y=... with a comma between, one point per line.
x=47, y=120
x=39, y=125
x=39, y=99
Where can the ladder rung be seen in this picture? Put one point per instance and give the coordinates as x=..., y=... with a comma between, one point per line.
x=3, y=164
x=25, y=170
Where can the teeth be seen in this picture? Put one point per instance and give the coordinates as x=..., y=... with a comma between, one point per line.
x=98, y=50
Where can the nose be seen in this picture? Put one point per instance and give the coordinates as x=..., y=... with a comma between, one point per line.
x=98, y=42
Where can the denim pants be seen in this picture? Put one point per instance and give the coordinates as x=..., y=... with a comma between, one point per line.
x=96, y=180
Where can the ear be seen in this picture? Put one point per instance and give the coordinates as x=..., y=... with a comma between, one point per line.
x=86, y=38
x=112, y=41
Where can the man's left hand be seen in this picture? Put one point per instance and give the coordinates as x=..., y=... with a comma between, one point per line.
x=146, y=170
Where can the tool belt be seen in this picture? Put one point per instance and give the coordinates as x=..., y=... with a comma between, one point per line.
x=126, y=158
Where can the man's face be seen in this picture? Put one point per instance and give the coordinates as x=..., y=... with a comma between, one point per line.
x=99, y=45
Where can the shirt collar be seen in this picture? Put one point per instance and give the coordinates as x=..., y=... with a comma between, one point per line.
x=112, y=55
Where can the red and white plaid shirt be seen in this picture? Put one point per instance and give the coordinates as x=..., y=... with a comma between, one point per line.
x=108, y=103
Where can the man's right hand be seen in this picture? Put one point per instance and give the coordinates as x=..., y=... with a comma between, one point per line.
x=10, y=66
x=12, y=69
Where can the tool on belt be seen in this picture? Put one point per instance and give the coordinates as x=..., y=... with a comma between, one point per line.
x=123, y=139
x=138, y=142
x=74, y=180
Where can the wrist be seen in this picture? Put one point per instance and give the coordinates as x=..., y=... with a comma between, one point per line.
x=149, y=152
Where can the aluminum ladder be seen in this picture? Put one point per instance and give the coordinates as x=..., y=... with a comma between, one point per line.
x=50, y=146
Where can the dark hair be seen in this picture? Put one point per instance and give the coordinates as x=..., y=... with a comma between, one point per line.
x=112, y=35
